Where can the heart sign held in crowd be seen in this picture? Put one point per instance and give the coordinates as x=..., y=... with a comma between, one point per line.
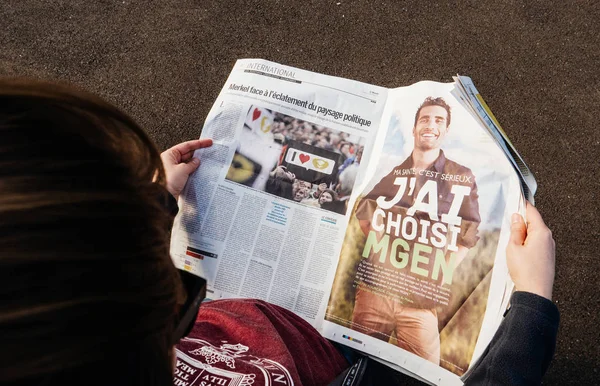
x=309, y=161
x=260, y=121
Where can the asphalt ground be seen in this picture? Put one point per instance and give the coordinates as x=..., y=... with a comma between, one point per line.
x=537, y=63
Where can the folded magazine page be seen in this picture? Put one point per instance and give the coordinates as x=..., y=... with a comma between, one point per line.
x=265, y=214
x=422, y=275
x=473, y=100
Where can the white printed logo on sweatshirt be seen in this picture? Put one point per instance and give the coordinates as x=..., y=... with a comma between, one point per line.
x=226, y=365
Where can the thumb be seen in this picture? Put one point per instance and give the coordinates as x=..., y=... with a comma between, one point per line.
x=518, y=230
x=190, y=166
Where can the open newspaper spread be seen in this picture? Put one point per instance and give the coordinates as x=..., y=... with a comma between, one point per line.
x=380, y=216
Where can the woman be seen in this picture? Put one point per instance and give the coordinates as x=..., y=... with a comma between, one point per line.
x=89, y=293
x=328, y=195
x=88, y=288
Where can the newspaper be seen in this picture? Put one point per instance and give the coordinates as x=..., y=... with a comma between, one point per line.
x=380, y=216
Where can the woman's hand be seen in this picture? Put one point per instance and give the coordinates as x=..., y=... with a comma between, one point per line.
x=530, y=254
x=179, y=163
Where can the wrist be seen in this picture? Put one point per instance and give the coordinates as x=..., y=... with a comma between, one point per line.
x=543, y=291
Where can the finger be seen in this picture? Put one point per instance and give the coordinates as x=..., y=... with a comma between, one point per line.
x=187, y=156
x=186, y=149
x=170, y=157
x=518, y=230
x=534, y=218
x=189, y=167
x=203, y=143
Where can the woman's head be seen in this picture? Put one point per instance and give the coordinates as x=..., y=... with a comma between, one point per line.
x=328, y=195
x=87, y=282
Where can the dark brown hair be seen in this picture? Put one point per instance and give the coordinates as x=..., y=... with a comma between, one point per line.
x=88, y=292
x=332, y=193
x=431, y=101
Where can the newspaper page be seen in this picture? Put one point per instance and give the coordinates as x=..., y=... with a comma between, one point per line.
x=421, y=277
x=265, y=214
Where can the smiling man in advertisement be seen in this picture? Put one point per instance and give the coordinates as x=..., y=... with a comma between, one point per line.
x=420, y=221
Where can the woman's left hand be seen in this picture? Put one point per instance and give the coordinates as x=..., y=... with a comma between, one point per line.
x=179, y=163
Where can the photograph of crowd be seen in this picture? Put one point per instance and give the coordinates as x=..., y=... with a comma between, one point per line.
x=297, y=160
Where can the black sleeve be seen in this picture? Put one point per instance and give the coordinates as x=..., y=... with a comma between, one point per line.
x=521, y=350
x=170, y=204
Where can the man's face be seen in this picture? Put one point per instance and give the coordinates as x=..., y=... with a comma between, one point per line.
x=431, y=128
x=300, y=194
